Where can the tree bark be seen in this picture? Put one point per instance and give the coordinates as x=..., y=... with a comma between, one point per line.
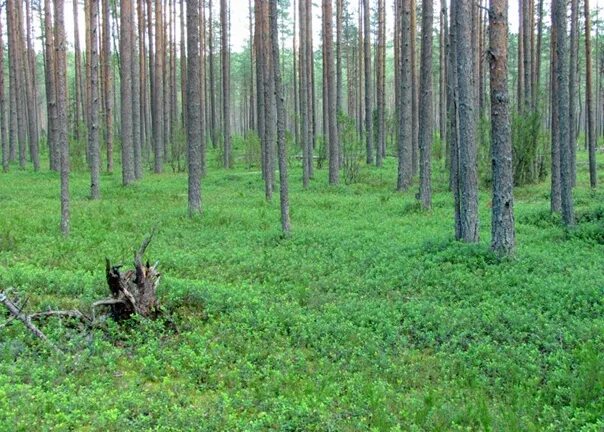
x=380, y=151
x=425, y=107
x=334, y=146
x=107, y=71
x=561, y=74
x=405, y=118
x=502, y=216
x=281, y=145
x=3, y=135
x=305, y=121
x=591, y=120
x=50, y=81
x=573, y=88
x=226, y=85
x=93, y=103
x=193, y=108
x=61, y=99
x=466, y=146
x=126, y=91
x=368, y=81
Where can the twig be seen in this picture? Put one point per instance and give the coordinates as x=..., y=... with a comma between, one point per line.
x=76, y=314
x=25, y=319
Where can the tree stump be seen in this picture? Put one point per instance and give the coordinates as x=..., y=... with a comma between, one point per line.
x=133, y=291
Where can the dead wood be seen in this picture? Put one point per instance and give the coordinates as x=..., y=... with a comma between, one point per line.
x=133, y=291
x=26, y=320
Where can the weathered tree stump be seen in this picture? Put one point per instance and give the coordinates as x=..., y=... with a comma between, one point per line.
x=133, y=291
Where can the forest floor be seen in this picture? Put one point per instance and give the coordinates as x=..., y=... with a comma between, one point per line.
x=370, y=317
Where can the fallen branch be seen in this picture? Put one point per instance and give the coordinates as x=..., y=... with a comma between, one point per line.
x=26, y=320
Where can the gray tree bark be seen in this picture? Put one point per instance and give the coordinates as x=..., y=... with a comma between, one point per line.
x=226, y=85
x=573, y=87
x=305, y=121
x=368, y=80
x=591, y=119
x=425, y=107
x=380, y=68
x=126, y=91
x=405, y=126
x=3, y=135
x=61, y=99
x=94, y=102
x=502, y=216
x=193, y=107
x=466, y=146
x=561, y=73
x=281, y=145
x=107, y=72
x=50, y=78
x=334, y=145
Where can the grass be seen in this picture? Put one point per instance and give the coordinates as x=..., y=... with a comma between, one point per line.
x=370, y=317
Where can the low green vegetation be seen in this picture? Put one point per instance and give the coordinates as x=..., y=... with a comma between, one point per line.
x=370, y=317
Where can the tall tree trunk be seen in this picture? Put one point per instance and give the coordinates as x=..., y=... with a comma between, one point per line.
x=502, y=216
x=334, y=145
x=17, y=73
x=93, y=103
x=414, y=91
x=3, y=136
x=466, y=146
x=405, y=145
x=281, y=145
x=556, y=191
x=537, y=86
x=61, y=89
x=573, y=87
x=212, y=90
x=380, y=70
x=31, y=91
x=368, y=80
x=193, y=108
x=126, y=91
x=226, y=85
x=158, y=92
x=269, y=102
x=443, y=81
x=425, y=107
x=305, y=121
x=339, y=74
x=50, y=81
x=561, y=73
x=591, y=121
x=107, y=83
x=137, y=144
x=520, y=81
x=79, y=99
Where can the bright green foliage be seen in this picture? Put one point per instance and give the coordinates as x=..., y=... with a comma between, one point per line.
x=369, y=317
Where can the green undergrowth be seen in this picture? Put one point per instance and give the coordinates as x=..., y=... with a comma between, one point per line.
x=369, y=317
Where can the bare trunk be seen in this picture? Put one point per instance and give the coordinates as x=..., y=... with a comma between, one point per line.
x=107, y=83
x=368, y=81
x=466, y=146
x=591, y=121
x=425, y=107
x=193, y=108
x=561, y=73
x=61, y=88
x=126, y=91
x=281, y=145
x=502, y=217
x=226, y=85
x=334, y=146
x=93, y=103
x=405, y=145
